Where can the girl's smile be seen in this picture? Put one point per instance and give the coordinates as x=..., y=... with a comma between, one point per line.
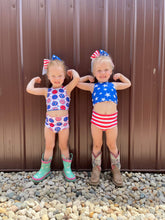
x=102, y=71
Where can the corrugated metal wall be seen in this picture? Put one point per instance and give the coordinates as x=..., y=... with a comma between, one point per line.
x=133, y=31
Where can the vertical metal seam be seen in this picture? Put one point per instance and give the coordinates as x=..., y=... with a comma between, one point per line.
x=105, y=26
x=115, y=31
x=160, y=89
x=48, y=29
x=143, y=65
x=21, y=78
x=124, y=15
x=76, y=34
x=76, y=62
x=123, y=67
x=152, y=60
x=132, y=94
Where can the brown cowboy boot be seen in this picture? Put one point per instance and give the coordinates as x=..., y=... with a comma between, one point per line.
x=115, y=165
x=95, y=175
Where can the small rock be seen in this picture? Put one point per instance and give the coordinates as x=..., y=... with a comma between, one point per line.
x=2, y=210
x=45, y=217
x=91, y=214
x=79, y=193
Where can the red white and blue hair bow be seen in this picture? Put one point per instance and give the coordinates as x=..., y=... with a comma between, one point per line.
x=96, y=54
x=99, y=53
x=46, y=62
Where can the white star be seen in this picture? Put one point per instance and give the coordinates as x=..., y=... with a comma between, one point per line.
x=94, y=94
x=98, y=89
x=103, y=99
x=100, y=93
x=96, y=98
x=105, y=89
x=107, y=94
x=105, y=85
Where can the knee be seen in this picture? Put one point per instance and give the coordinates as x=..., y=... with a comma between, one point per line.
x=63, y=146
x=49, y=146
x=112, y=145
x=97, y=145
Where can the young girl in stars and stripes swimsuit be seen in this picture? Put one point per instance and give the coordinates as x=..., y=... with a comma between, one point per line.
x=104, y=114
x=104, y=92
x=57, y=101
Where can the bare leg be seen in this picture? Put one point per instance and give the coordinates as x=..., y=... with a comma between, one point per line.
x=111, y=138
x=63, y=142
x=49, y=143
x=66, y=157
x=96, y=155
x=97, y=138
x=46, y=161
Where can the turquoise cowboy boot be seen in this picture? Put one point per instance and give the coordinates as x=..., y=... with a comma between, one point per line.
x=44, y=170
x=67, y=172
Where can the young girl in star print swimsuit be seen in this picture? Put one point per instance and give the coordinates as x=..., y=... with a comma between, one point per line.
x=104, y=114
x=57, y=101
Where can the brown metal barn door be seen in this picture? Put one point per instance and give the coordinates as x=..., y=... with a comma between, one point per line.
x=133, y=32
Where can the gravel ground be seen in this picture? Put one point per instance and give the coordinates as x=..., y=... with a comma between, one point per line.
x=142, y=197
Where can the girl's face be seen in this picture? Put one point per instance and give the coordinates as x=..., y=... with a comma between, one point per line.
x=56, y=76
x=102, y=71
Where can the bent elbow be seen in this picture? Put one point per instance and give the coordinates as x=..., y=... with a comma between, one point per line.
x=28, y=90
x=77, y=79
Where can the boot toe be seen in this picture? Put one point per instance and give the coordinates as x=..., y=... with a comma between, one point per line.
x=70, y=177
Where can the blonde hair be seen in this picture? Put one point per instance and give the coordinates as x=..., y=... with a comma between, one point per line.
x=57, y=63
x=101, y=59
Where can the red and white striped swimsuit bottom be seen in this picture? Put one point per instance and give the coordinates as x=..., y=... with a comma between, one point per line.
x=104, y=122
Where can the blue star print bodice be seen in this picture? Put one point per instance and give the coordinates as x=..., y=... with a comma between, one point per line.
x=104, y=92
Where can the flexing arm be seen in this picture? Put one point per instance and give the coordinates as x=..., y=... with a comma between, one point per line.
x=35, y=91
x=86, y=78
x=86, y=86
x=124, y=84
x=73, y=74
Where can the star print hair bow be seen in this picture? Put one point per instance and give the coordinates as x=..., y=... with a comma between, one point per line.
x=46, y=62
x=99, y=53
